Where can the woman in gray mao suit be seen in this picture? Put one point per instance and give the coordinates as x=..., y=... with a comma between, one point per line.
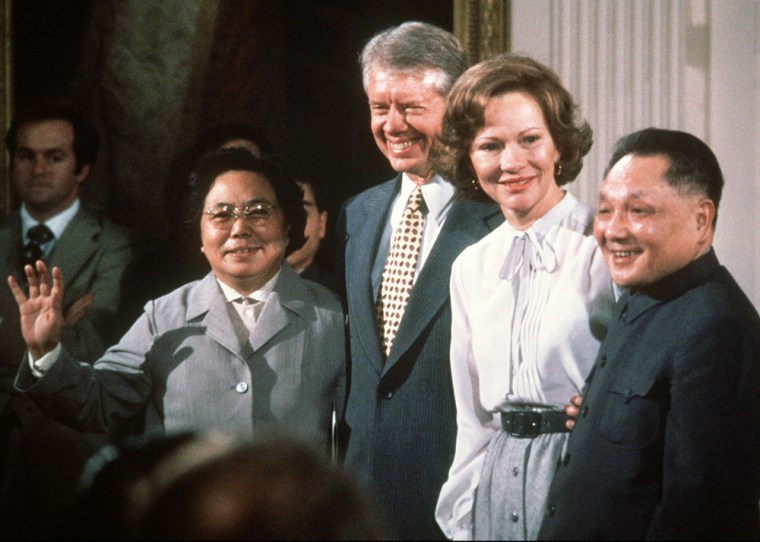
x=252, y=347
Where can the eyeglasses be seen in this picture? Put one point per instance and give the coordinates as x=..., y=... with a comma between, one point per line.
x=224, y=216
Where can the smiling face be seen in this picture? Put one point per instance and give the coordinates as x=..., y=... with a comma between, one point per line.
x=44, y=167
x=646, y=228
x=244, y=256
x=513, y=156
x=406, y=114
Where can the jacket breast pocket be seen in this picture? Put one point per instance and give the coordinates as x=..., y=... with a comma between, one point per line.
x=632, y=417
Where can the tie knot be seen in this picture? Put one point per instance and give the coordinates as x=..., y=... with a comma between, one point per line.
x=39, y=234
x=415, y=200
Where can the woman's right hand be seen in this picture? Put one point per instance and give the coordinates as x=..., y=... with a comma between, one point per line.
x=41, y=313
x=572, y=410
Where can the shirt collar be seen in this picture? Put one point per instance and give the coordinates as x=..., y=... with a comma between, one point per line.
x=437, y=192
x=56, y=224
x=262, y=294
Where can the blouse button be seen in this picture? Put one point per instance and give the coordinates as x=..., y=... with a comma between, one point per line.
x=241, y=387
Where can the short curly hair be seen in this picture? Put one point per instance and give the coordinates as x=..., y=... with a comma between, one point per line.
x=465, y=110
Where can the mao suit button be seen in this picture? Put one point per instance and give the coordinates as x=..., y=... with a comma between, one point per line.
x=584, y=411
x=603, y=361
x=515, y=471
x=241, y=387
x=566, y=459
x=386, y=394
x=513, y=517
x=550, y=510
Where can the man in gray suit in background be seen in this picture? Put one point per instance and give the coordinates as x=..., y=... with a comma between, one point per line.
x=52, y=151
x=400, y=422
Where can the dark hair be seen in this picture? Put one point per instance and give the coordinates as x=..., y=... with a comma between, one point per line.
x=289, y=194
x=86, y=139
x=116, y=484
x=415, y=46
x=264, y=490
x=320, y=203
x=465, y=116
x=693, y=165
x=219, y=134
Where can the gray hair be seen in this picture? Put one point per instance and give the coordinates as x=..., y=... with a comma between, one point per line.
x=412, y=47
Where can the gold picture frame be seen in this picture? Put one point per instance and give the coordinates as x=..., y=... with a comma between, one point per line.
x=483, y=27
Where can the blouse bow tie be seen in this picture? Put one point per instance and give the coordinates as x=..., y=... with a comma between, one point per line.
x=527, y=247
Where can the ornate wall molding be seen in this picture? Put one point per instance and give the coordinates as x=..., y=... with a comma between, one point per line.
x=483, y=27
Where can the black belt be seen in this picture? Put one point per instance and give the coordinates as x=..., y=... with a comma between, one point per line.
x=530, y=423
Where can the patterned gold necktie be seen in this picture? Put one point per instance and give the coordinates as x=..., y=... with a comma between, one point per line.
x=398, y=274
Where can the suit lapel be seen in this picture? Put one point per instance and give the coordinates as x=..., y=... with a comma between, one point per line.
x=365, y=230
x=76, y=245
x=284, y=303
x=466, y=223
x=208, y=300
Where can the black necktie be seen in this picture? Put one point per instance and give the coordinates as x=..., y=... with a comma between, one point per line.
x=32, y=251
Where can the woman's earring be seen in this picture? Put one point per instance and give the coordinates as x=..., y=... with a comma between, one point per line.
x=559, y=170
x=475, y=185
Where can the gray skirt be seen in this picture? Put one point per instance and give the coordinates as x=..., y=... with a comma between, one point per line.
x=514, y=483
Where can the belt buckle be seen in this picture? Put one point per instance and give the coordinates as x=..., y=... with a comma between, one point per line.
x=524, y=424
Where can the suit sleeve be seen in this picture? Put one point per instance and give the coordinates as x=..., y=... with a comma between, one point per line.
x=99, y=398
x=454, y=511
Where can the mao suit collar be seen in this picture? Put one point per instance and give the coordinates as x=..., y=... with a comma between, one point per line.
x=286, y=303
x=636, y=302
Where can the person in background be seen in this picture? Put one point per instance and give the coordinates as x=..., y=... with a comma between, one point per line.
x=531, y=301
x=122, y=479
x=400, y=421
x=269, y=489
x=249, y=349
x=53, y=151
x=667, y=440
x=304, y=260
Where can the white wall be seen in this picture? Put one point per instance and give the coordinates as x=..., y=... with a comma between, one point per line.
x=691, y=65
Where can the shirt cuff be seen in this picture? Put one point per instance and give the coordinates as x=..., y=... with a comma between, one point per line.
x=41, y=366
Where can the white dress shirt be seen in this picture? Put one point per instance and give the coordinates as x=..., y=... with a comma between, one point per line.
x=526, y=327
x=56, y=224
x=249, y=311
x=438, y=195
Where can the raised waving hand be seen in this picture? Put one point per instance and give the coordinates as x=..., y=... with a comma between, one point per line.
x=41, y=312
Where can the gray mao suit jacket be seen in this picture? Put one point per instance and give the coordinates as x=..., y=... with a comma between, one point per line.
x=190, y=364
x=400, y=421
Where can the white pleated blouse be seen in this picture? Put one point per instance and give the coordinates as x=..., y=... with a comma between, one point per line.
x=529, y=311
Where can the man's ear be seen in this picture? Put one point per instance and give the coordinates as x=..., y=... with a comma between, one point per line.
x=84, y=172
x=705, y=213
x=322, y=224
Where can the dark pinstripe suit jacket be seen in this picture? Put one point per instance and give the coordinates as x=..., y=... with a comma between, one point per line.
x=400, y=421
